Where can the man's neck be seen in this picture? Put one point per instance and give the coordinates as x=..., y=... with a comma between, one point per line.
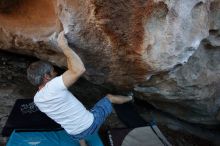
x=45, y=81
x=41, y=86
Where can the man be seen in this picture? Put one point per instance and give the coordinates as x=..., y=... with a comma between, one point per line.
x=54, y=99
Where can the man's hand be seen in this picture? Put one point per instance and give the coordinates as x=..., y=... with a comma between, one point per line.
x=62, y=42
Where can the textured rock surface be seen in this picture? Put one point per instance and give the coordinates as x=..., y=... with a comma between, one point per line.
x=125, y=42
x=191, y=91
x=14, y=85
x=139, y=38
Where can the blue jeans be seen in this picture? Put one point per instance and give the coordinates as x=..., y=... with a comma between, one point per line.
x=100, y=111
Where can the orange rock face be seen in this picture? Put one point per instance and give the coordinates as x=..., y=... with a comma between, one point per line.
x=35, y=18
x=26, y=27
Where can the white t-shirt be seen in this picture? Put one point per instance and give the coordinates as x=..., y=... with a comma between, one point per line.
x=59, y=104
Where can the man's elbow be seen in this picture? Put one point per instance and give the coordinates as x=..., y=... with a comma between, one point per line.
x=78, y=72
x=83, y=70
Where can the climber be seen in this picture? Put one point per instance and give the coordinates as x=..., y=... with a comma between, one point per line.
x=54, y=99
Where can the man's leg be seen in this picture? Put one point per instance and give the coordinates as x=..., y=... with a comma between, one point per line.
x=101, y=111
x=119, y=99
x=103, y=108
x=82, y=142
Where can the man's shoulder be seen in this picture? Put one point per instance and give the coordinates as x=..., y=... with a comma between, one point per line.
x=56, y=82
x=52, y=90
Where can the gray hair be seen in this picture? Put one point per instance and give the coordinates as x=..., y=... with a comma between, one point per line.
x=37, y=70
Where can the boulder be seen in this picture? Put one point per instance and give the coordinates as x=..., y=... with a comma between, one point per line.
x=127, y=44
x=190, y=91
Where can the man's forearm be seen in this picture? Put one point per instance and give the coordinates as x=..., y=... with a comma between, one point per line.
x=74, y=62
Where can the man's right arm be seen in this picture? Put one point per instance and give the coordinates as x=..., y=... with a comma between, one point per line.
x=74, y=63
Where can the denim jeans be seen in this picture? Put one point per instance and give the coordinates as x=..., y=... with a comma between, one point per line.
x=100, y=111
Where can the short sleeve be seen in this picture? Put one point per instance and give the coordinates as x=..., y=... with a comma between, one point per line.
x=56, y=84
